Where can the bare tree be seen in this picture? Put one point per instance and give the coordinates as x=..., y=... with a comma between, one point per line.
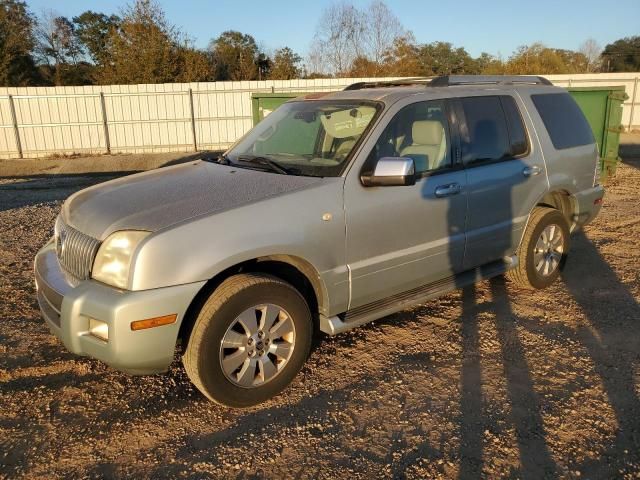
x=592, y=51
x=315, y=61
x=339, y=37
x=382, y=30
x=57, y=45
x=346, y=34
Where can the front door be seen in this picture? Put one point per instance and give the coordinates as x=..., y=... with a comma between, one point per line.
x=402, y=237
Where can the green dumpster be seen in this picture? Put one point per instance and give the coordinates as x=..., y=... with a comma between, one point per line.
x=262, y=104
x=603, y=108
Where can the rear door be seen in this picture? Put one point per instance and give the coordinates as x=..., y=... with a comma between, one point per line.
x=505, y=174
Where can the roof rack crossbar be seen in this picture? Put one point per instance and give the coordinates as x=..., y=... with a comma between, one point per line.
x=451, y=80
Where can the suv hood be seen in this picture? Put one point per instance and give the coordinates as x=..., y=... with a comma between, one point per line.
x=160, y=198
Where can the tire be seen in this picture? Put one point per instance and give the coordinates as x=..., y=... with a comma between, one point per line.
x=226, y=316
x=530, y=273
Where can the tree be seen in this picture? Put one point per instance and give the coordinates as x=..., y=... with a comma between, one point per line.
x=194, y=65
x=591, y=51
x=349, y=39
x=363, y=67
x=574, y=62
x=622, y=55
x=235, y=56
x=406, y=58
x=339, y=37
x=93, y=30
x=58, y=48
x=440, y=58
x=403, y=58
x=537, y=59
x=382, y=29
x=315, y=66
x=489, y=64
x=264, y=64
x=285, y=65
x=144, y=49
x=17, y=66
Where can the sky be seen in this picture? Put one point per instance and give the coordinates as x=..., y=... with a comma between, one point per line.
x=495, y=26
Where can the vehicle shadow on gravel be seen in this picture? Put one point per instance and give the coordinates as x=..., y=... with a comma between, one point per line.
x=260, y=421
x=50, y=381
x=632, y=158
x=612, y=338
x=30, y=191
x=525, y=412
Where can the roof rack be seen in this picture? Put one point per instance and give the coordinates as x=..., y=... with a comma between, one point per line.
x=453, y=80
x=403, y=82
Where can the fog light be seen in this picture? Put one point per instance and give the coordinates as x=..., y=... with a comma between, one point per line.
x=99, y=329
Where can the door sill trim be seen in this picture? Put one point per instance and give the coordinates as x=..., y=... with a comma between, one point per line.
x=401, y=301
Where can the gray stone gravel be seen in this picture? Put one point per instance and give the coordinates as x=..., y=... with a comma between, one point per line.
x=485, y=382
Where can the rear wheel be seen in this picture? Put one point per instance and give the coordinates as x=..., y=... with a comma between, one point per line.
x=543, y=250
x=249, y=341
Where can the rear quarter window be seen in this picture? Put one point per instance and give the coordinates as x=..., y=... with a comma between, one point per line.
x=563, y=120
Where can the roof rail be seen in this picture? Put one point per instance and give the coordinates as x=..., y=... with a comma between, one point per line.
x=451, y=80
x=403, y=82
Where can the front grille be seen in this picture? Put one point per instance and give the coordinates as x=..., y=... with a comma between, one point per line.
x=76, y=251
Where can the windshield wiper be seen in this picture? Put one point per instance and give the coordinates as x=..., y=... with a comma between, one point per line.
x=264, y=161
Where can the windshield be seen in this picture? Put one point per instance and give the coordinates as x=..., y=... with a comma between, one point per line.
x=306, y=138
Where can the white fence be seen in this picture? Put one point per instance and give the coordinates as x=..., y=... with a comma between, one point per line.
x=180, y=117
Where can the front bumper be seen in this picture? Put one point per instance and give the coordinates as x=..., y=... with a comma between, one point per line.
x=588, y=205
x=67, y=308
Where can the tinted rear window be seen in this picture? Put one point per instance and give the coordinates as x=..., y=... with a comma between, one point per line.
x=486, y=138
x=563, y=120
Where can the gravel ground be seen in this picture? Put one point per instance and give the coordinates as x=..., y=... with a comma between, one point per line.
x=487, y=381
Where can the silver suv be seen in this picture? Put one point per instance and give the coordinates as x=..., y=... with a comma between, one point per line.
x=335, y=210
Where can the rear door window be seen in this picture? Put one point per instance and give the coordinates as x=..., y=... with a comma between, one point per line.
x=484, y=135
x=563, y=120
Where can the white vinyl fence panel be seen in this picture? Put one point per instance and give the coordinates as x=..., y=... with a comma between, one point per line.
x=180, y=117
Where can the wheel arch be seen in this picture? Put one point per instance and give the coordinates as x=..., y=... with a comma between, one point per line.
x=294, y=270
x=560, y=199
x=563, y=201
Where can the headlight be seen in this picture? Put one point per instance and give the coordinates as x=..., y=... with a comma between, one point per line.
x=113, y=261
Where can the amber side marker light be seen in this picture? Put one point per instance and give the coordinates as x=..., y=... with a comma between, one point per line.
x=154, y=322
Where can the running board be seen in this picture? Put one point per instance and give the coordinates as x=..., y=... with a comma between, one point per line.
x=401, y=301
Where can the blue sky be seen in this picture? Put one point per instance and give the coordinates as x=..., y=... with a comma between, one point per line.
x=497, y=26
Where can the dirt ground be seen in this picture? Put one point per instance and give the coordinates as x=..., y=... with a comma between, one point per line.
x=487, y=382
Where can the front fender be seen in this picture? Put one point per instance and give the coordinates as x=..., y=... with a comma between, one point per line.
x=307, y=225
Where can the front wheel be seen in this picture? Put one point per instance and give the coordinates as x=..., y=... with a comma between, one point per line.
x=543, y=250
x=251, y=338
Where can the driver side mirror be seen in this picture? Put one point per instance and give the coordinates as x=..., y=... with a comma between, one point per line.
x=391, y=171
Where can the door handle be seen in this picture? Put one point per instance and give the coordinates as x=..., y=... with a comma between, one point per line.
x=531, y=171
x=447, y=190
